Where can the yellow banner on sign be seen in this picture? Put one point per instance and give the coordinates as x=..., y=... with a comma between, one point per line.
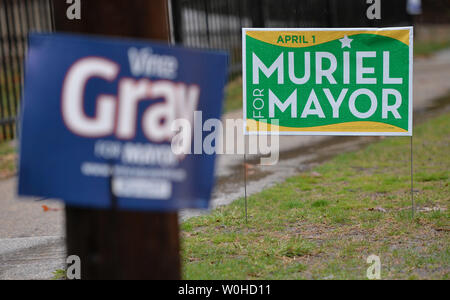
x=300, y=38
x=361, y=126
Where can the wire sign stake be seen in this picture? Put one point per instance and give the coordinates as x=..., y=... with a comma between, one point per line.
x=245, y=188
x=412, y=181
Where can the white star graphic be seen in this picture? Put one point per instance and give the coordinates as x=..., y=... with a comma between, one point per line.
x=346, y=41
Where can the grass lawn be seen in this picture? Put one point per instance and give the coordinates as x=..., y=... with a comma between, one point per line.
x=7, y=160
x=323, y=224
x=426, y=48
x=233, y=95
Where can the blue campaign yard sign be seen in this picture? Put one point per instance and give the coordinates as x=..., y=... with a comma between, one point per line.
x=97, y=115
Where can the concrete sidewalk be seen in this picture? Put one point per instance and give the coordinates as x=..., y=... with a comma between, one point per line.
x=31, y=246
x=31, y=258
x=26, y=217
x=31, y=239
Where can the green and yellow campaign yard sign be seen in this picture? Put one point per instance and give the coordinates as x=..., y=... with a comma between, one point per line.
x=328, y=81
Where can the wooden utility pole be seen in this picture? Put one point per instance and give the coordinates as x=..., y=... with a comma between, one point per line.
x=116, y=244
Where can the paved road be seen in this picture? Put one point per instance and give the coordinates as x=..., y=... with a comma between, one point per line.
x=30, y=238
